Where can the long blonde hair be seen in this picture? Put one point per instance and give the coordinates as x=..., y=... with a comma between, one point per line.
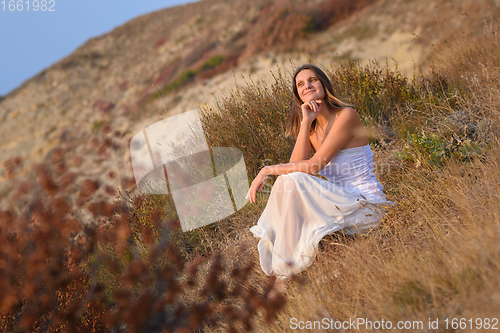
x=295, y=116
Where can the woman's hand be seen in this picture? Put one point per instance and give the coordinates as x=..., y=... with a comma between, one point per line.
x=310, y=110
x=257, y=185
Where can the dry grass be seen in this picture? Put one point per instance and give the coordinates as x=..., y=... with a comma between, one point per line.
x=436, y=254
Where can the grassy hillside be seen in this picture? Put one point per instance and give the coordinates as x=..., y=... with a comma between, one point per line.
x=436, y=254
x=435, y=139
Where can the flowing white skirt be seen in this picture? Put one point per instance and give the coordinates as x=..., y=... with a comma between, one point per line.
x=301, y=210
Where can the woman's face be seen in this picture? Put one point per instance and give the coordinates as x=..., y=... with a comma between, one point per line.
x=309, y=86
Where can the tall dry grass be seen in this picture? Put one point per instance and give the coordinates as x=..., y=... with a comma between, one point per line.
x=436, y=254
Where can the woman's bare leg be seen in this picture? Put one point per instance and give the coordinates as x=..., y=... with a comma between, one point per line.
x=278, y=288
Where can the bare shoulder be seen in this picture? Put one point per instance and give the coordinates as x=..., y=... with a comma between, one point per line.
x=348, y=114
x=352, y=123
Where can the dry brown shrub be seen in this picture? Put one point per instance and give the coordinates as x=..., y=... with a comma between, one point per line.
x=58, y=274
x=280, y=27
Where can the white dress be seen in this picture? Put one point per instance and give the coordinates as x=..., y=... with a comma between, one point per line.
x=303, y=208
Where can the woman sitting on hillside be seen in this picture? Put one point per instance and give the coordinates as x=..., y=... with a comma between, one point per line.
x=302, y=208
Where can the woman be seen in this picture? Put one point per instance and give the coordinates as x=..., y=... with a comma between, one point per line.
x=302, y=208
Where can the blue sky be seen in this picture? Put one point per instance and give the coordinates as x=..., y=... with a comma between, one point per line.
x=31, y=41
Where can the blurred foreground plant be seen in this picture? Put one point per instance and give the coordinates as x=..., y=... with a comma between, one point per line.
x=125, y=272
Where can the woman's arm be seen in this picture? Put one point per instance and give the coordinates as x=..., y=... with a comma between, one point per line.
x=341, y=132
x=302, y=148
